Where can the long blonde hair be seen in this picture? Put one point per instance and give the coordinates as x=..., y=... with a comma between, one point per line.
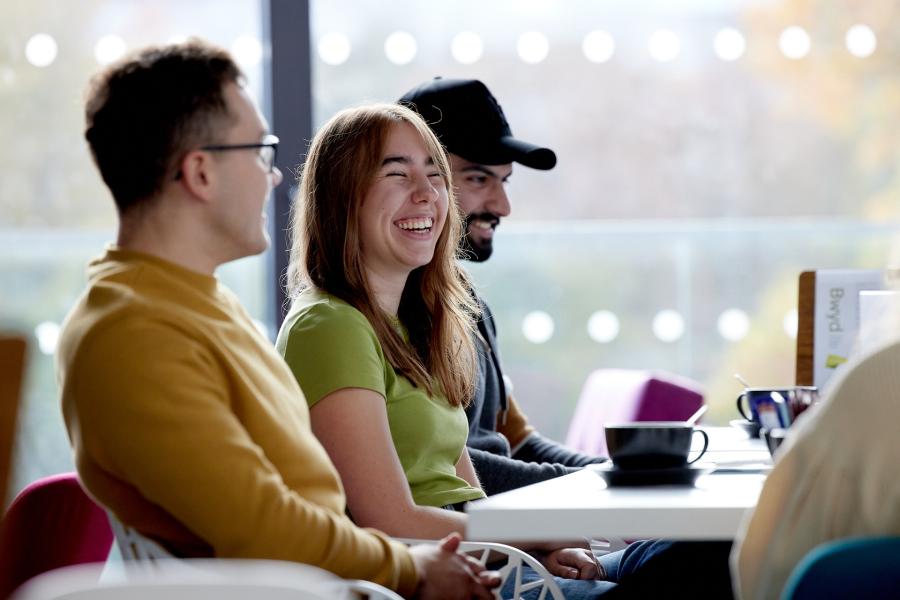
x=435, y=307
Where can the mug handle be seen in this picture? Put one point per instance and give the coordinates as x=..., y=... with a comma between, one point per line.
x=740, y=407
x=705, y=445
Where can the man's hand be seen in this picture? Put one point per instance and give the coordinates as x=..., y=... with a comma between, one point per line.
x=573, y=563
x=444, y=573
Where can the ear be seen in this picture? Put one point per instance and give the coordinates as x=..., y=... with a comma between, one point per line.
x=198, y=174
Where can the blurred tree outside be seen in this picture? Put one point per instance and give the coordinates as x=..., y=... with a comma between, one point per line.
x=856, y=101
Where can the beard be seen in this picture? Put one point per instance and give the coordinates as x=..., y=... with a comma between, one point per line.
x=474, y=249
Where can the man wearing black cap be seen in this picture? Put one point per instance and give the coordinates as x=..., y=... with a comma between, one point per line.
x=507, y=452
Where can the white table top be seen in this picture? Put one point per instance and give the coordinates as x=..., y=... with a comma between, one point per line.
x=581, y=505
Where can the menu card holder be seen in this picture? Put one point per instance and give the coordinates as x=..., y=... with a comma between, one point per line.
x=828, y=319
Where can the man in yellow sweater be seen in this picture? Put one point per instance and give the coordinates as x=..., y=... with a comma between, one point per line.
x=185, y=422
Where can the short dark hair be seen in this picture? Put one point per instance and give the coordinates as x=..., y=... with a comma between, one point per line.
x=146, y=111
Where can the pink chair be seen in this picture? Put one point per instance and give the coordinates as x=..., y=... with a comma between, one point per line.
x=51, y=523
x=624, y=396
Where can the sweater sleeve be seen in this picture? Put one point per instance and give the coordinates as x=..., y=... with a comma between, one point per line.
x=529, y=446
x=159, y=418
x=537, y=448
x=499, y=474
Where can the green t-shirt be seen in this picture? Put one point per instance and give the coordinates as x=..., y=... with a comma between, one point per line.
x=329, y=345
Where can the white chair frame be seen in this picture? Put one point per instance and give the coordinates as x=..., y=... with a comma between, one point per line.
x=136, y=547
x=207, y=579
x=515, y=561
x=149, y=556
x=146, y=556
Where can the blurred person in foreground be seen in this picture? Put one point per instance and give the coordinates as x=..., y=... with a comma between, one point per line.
x=506, y=450
x=835, y=476
x=185, y=423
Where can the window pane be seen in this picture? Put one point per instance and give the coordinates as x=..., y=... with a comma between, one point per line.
x=708, y=152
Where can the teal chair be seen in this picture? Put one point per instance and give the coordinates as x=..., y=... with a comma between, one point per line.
x=858, y=568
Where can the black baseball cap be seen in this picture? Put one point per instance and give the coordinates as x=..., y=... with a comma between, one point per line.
x=470, y=123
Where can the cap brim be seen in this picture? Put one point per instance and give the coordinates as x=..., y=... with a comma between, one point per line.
x=530, y=155
x=506, y=149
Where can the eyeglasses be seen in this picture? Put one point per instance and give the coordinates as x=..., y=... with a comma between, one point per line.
x=268, y=149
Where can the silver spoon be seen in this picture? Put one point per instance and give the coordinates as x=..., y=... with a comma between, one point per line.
x=742, y=380
x=696, y=416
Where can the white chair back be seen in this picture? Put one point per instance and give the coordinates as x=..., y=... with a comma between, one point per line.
x=135, y=547
x=146, y=558
x=509, y=563
x=516, y=559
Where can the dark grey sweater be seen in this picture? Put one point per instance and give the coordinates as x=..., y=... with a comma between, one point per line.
x=537, y=459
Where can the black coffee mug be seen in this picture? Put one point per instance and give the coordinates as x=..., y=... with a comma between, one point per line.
x=772, y=408
x=652, y=444
x=767, y=407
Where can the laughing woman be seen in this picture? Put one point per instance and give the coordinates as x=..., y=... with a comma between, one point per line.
x=380, y=330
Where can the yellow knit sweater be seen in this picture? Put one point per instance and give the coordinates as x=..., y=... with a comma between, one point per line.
x=188, y=426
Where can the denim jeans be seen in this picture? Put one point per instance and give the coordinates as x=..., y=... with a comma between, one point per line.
x=572, y=589
x=652, y=569
x=667, y=569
